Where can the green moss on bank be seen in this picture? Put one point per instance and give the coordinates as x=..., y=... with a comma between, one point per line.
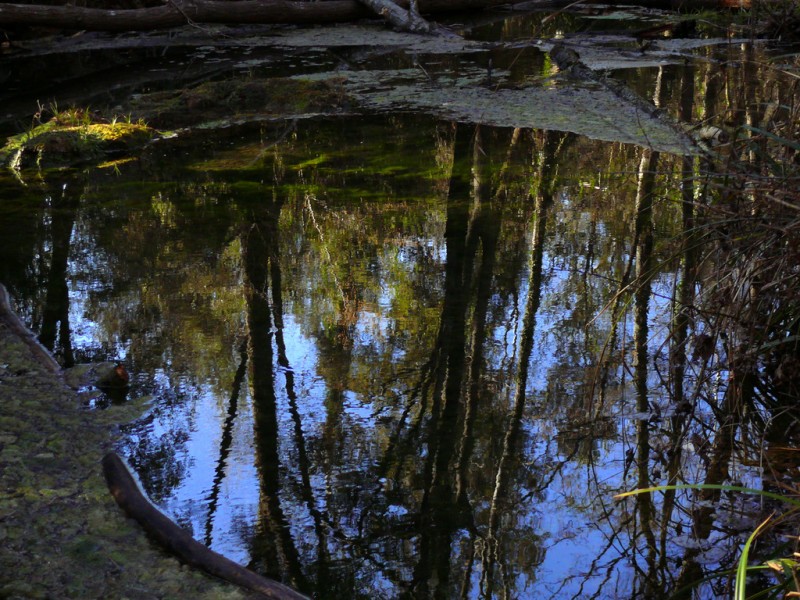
x=62, y=534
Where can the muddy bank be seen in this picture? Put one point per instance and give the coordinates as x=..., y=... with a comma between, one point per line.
x=61, y=532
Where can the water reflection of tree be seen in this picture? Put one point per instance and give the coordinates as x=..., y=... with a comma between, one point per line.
x=54, y=330
x=643, y=234
x=37, y=232
x=697, y=410
x=438, y=437
x=502, y=502
x=167, y=300
x=439, y=516
x=273, y=545
x=226, y=441
x=451, y=394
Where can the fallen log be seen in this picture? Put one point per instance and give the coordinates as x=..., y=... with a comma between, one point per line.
x=405, y=20
x=175, y=13
x=179, y=542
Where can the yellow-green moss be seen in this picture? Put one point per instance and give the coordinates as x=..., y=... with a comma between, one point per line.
x=62, y=143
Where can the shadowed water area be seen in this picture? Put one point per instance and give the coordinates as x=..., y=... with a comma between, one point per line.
x=410, y=350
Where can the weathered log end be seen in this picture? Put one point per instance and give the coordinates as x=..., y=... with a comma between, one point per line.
x=178, y=541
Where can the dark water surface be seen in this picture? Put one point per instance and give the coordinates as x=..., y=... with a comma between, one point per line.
x=392, y=356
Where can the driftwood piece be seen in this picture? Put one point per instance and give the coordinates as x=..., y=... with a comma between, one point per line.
x=178, y=541
x=408, y=19
x=402, y=19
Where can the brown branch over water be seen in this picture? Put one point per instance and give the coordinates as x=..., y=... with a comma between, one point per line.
x=13, y=322
x=179, y=541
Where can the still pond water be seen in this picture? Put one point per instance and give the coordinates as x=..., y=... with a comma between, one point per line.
x=389, y=355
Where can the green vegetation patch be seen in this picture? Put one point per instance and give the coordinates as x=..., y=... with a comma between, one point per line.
x=66, y=141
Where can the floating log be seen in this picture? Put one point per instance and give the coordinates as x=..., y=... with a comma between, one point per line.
x=178, y=541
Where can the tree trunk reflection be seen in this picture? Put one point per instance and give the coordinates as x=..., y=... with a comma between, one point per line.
x=273, y=543
x=54, y=333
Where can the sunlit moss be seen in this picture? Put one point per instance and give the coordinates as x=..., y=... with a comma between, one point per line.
x=311, y=162
x=115, y=164
x=63, y=142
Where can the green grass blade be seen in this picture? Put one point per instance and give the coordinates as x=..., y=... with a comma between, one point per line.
x=741, y=570
x=712, y=486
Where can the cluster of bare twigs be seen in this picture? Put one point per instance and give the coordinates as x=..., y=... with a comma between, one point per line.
x=749, y=304
x=754, y=216
x=734, y=361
